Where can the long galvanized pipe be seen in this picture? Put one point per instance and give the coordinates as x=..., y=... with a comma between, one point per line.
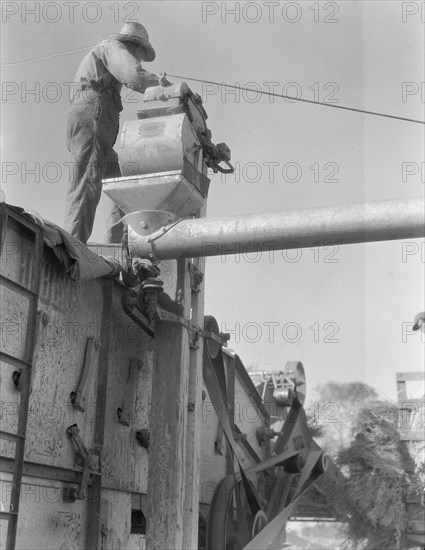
x=310, y=227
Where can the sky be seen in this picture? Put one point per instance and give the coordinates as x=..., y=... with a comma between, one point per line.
x=345, y=312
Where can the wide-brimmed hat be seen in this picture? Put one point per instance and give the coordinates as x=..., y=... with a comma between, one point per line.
x=135, y=32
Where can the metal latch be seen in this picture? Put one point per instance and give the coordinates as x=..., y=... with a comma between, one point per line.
x=89, y=462
x=196, y=277
x=215, y=154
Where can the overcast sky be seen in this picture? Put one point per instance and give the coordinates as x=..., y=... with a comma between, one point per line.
x=347, y=312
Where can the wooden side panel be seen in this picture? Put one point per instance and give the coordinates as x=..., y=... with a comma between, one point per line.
x=45, y=521
x=17, y=264
x=18, y=253
x=14, y=322
x=125, y=462
x=9, y=406
x=5, y=494
x=115, y=511
x=116, y=527
x=74, y=314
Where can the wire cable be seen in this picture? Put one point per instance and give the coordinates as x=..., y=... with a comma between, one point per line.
x=298, y=99
x=45, y=57
x=244, y=88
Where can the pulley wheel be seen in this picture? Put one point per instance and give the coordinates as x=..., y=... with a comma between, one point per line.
x=283, y=396
x=225, y=529
x=260, y=521
x=295, y=371
x=211, y=325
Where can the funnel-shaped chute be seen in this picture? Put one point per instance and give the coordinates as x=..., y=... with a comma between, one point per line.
x=171, y=191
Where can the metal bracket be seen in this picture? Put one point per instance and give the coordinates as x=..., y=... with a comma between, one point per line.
x=264, y=435
x=195, y=332
x=194, y=340
x=91, y=357
x=129, y=304
x=215, y=154
x=169, y=317
x=90, y=463
x=196, y=277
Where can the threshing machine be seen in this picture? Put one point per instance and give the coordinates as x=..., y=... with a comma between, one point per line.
x=126, y=421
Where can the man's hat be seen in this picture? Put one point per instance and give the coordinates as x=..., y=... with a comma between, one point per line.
x=135, y=32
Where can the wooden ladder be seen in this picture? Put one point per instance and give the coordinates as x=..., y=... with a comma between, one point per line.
x=27, y=284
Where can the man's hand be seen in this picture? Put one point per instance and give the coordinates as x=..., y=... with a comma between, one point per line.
x=164, y=82
x=144, y=269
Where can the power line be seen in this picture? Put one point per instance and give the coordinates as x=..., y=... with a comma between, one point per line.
x=298, y=99
x=44, y=57
x=243, y=88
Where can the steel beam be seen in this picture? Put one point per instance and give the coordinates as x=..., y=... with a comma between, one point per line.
x=323, y=226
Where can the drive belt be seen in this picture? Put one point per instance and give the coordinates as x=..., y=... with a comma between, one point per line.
x=215, y=381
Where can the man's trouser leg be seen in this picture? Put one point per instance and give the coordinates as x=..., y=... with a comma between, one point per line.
x=92, y=129
x=114, y=226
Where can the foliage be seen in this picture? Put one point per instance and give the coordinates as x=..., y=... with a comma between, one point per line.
x=332, y=416
x=361, y=434
x=352, y=392
x=377, y=462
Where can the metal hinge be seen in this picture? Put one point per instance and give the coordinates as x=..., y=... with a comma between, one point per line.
x=89, y=461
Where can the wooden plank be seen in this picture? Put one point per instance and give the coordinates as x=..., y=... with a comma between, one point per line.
x=75, y=312
x=25, y=386
x=43, y=471
x=167, y=454
x=93, y=533
x=417, y=375
x=125, y=462
x=194, y=421
x=412, y=435
x=173, y=457
x=46, y=521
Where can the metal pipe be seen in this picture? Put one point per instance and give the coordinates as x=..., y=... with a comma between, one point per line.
x=323, y=226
